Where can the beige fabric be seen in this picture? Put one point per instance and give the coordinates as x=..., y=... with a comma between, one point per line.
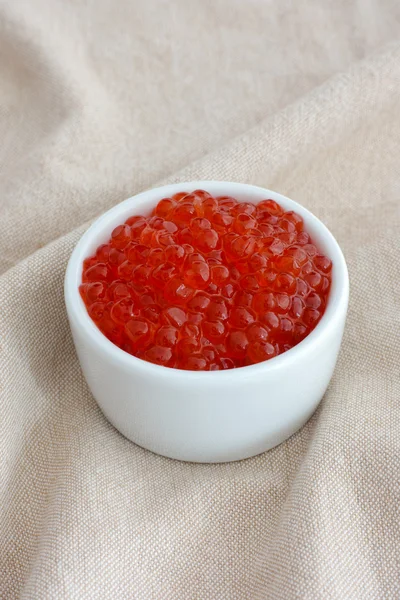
x=99, y=100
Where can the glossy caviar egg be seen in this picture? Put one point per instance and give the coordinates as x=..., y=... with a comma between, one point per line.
x=207, y=283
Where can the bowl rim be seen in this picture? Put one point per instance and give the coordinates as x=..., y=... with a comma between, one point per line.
x=76, y=309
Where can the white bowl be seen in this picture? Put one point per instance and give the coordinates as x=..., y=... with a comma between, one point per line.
x=208, y=416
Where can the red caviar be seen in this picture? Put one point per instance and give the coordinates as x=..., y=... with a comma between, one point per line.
x=207, y=283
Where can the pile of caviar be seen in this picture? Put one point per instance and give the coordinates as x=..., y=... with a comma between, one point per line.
x=207, y=283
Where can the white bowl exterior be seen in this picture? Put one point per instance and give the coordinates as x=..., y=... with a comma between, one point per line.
x=207, y=416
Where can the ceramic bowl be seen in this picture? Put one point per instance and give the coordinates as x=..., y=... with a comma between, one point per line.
x=212, y=416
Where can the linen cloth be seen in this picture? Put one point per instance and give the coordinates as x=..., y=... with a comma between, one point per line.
x=100, y=100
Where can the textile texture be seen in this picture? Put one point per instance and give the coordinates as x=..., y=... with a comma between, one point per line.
x=100, y=100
